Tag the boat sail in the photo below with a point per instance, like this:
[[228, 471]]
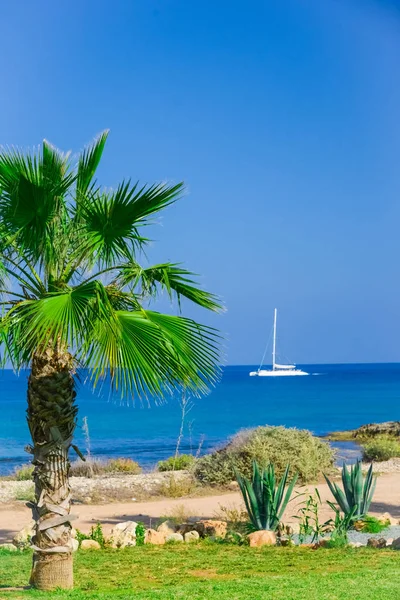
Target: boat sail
[[278, 370]]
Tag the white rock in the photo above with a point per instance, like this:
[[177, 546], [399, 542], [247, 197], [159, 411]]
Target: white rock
[[9, 547], [74, 545], [191, 536], [355, 544], [23, 538], [90, 545], [167, 528], [123, 534], [388, 517], [174, 537], [389, 541]]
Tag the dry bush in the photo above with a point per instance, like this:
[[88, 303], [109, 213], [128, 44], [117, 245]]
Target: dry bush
[[93, 467], [178, 514], [123, 465], [174, 487]]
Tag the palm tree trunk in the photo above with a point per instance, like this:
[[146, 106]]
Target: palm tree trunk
[[51, 418]]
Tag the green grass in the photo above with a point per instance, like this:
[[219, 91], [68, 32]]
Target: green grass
[[223, 572]]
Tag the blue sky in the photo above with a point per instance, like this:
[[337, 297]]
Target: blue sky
[[283, 119]]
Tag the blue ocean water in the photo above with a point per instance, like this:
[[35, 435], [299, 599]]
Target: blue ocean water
[[335, 397]]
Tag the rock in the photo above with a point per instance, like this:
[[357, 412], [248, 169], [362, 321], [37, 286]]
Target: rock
[[90, 545], [358, 525], [376, 543], [174, 537], [167, 528], [74, 545], [389, 542], [123, 534], [387, 517], [355, 544], [154, 537], [206, 528], [23, 538], [191, 536], [262, 538], [9, 547], [396, 544]]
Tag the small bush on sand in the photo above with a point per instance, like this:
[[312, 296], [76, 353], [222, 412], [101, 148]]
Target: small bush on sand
[[306, 454], [92, 468], [24, 473], [123, 465], [181, 462], [379, 449], [175, 487]]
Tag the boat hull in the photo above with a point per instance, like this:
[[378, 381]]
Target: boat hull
[[278, 373]]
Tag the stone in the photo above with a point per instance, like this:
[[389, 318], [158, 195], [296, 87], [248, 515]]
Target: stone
[[396, 544], [174, 537], [387, 517], [261, 538], [90, 545], [206, 528], [377, 542], [154, 537], [23, 538], [123, 535], [9, 547], [389, 541], [167, 528], [191, 536], [74, 545], [355, 545]]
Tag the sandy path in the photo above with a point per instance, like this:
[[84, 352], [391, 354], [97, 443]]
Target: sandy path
[[14, 517]]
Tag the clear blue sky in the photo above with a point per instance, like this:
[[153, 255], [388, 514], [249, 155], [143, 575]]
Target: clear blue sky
[[283, 118]]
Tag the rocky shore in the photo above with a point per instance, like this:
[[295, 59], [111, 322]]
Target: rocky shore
[[104, 488]]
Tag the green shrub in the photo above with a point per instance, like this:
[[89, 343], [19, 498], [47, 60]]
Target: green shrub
[[96, 534], [306, 454], [181, 462], [24, 473], [140, 534], [371, 525], [382, 448]]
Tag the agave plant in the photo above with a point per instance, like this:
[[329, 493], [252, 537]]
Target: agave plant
[[265, 497], [355, 498]]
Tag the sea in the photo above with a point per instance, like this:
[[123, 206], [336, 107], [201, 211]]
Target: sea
[[333, 397]]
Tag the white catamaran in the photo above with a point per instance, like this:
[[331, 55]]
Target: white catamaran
[[277, 370]]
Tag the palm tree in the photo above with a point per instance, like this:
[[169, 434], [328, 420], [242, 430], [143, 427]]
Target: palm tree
[[74, 295]]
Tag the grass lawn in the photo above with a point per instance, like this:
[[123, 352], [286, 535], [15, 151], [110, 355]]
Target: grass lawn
[[209, 570]]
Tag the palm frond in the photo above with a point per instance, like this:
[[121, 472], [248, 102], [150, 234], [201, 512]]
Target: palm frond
[[170, 277], [88, 162]]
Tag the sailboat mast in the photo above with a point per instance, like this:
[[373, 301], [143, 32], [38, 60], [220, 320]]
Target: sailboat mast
[[274, 343]]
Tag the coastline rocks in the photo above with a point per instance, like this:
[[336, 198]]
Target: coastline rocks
[[23, 538], [154, 537], [123, 535], [174, 537], [261, 538], [90, 545], [191, 536]]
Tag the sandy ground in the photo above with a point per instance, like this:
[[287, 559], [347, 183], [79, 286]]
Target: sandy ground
[[14, 517]]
